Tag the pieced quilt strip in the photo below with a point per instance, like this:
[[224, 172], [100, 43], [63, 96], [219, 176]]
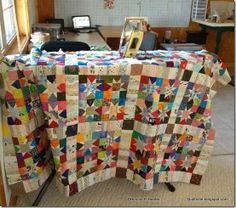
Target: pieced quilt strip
[[26, 147]]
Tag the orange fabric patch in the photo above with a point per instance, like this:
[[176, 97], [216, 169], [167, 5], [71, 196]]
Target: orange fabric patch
[[43, 97], [108, 94], [20, 102], [80, 138], [54, 143]]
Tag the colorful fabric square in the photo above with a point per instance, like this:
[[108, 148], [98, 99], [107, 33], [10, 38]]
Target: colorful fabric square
[[148, 121]]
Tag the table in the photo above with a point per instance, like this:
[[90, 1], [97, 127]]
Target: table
[[92, 38], [110, 31], [181, 46], [218, 27], [111, 34], [105, 116]]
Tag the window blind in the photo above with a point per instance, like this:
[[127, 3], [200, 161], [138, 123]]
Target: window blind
[[199, 8]]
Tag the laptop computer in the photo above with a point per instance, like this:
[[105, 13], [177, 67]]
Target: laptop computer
[[82, 23]]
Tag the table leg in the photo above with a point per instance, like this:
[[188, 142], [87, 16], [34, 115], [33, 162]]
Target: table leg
[[170, 187], [43, 189], [218, 40]]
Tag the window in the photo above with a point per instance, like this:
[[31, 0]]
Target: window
[[8, 24], [199, 9], [0, 38], [9, 19]]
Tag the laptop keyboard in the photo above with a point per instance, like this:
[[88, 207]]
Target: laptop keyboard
[[85, 30]]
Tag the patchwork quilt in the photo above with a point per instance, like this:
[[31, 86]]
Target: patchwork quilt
[[99, 116]]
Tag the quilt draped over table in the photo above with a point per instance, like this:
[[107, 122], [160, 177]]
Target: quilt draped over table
[[104, 116]]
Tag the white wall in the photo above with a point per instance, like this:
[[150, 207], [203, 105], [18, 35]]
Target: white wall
[[161, 13], [32, 12]]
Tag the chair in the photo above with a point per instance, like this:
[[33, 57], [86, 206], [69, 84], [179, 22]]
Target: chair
[[149, 41], [65, 46]]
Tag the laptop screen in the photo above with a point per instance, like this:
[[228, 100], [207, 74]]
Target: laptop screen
[[80, 22]]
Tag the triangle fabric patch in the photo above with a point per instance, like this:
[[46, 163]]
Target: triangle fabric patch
[[9, 96], [62, 87], [41, 88], [99, 162], [90, 102], [117, 78], [91, 96], [51, 78], [22, 82], [17, 121], [27, 155], [81, 111], [125, 85], [16, 84], [106, 86], [153, 79], [99, 110], [96, 142], [53, 124], [91, 78], [11, 103], [63, 114]]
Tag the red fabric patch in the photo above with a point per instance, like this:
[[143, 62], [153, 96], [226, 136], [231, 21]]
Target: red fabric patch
[[62, 87], [91, 78], [183, 64], [9, 96], [144, 79], [138, 117], [120, 116], [63, 158], [53, 124]]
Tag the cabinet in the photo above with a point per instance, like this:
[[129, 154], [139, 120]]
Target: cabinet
[[45, 9]]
